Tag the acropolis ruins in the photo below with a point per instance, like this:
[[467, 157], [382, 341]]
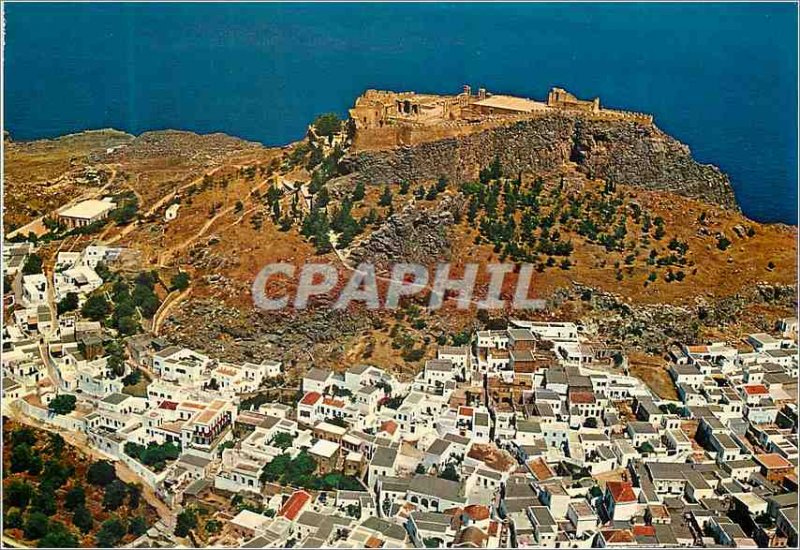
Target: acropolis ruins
[[385, 118]]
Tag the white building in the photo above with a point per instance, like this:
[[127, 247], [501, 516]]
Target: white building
[[86, 212]]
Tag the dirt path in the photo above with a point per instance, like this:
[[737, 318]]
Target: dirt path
[[158, 204], [79, 440], [167, 255], [171, 301]]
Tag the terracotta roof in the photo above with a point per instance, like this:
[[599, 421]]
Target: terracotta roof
[[465, 411], [581, 397], [493, 457], [390, 426], [621, 491], [618, 536], [644, 531], [541, 469], [755, 389], [311, 398], [773, 461], [373, 542], [169, 405], [477, 512], [333, 403], [294, 505], [470, 537]]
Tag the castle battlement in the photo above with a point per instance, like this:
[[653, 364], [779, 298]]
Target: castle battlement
[[385, 118]]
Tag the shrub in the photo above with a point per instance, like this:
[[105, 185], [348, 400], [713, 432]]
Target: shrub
[[110, 533], [327, 124], [58, 536], [68, 303], [33, 265], [187, 520], [82, 519], [18, 494], [62, 404], [96, 308], [180, 281], [137, 526], [75, 498], [36, 526], [101, 473], [13, 519], [114, 495]]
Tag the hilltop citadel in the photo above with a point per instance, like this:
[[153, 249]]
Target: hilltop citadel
[[385, 118]]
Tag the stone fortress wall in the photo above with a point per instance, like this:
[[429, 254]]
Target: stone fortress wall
[[527, 136], [385, 119]]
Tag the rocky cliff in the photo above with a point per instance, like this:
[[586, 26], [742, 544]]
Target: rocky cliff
[[627, 151]]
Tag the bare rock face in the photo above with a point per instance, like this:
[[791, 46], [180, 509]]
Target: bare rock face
[[627, 151], [642, 155], [414, 235]]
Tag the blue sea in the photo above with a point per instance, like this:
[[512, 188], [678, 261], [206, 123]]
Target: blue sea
[[720, 77]]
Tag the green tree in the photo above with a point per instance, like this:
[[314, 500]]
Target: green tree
[[68, 303], [127, 325], [58, 536], [125, 213], [33, 264], [23, 435], [133, 378], [56, 474], [187, 520], [359, 192], [36, 525], [96, 307], [450, 472], [102, 270], [327, 124], [18, 493], [137, 526], [110, 533], [13, 519], [213, 526], [23, 459], [82, 519], [75, 498], [282, 440], [62, 404], [386, 197], [56, 445], [101, 473], [180, 281], [134, 495], [44, 500], [114, 495]]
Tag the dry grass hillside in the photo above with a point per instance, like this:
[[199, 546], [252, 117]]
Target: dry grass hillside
[[241, 207]]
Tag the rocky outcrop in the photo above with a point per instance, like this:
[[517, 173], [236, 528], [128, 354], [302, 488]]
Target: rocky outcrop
[[646, 157], [627, 151], [414, 235]]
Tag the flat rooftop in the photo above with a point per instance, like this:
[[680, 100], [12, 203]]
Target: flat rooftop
[[87, 209]]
